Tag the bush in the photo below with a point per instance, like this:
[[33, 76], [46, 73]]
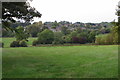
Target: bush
[[57, 42], [18, 44], [15, 44], [105, 39], [1, 44], [58, 38], [46, 37], [67, 39], [23, 43], [35, 42], [75, 39]]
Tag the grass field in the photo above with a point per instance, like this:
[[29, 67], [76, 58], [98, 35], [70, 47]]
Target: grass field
[[60, 62]]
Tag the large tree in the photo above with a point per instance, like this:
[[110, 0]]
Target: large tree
[[13, 11], [46, 37], [34, 29]]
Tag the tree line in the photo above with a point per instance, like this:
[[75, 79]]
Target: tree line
[[65, 32]]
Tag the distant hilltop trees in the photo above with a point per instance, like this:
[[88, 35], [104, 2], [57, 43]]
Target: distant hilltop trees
[[62, 26], [56, 26]]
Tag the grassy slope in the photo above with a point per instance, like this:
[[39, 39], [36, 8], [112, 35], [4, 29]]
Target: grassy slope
[[61, 62]]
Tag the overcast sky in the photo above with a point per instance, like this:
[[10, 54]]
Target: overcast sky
[[76, 10]]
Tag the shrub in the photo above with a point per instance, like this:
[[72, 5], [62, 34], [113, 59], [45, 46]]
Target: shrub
[[23, 43], [57, 42], [1, 44], [34, 29], [98, 39], [109, 39], [18, 44], [75, 39], [67, 39], [58, 38], [82, 40], [35, 42], [15, 44], [105, 39], [46, 37]]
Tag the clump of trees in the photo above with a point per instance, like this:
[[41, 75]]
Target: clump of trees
[[80, 37], [34, 29], [44, 37], [21, 34], [109, 39], [58, 38], [74, 37], [21, 38], [104, 39]]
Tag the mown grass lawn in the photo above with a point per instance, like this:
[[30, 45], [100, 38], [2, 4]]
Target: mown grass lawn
[[60, 62]]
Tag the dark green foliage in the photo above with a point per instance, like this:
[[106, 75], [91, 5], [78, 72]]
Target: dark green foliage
[[66, 39], [91, 36], [53, 27], [23, 43], [111, 38], [58, 38], [44, 27], [22, 34], [16, 24], [1, 44], [22, 11], [19, 10], [6, 33], [15, 44], [35, 42], [77, 37], [55, 24], [104, 39], [73, 37], [34, 29], [46, 37], [64, 30], [116, 33], [107, 30]]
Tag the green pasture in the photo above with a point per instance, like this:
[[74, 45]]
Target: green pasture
[[60, 61]]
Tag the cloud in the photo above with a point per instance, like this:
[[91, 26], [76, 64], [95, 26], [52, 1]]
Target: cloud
[[76, 10]]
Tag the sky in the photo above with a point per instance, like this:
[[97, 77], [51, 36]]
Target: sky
[[93, 11]]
